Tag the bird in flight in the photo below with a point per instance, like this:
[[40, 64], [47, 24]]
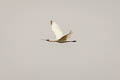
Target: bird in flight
[[60, 37]]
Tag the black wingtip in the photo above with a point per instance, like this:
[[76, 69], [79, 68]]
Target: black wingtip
[[74, 41]]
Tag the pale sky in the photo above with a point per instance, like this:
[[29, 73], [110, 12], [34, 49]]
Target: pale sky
[[95, 25]]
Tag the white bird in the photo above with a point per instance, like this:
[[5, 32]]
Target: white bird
[[60, 38]]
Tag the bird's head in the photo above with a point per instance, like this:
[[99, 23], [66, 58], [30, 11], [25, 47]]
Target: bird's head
[[51, 22]]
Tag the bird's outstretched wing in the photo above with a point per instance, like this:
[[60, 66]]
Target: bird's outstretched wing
[[67, 36], [56, 29]]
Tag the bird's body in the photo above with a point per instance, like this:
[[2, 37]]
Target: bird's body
[[60, 38]]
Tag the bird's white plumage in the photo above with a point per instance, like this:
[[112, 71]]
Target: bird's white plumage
[[57, 31]]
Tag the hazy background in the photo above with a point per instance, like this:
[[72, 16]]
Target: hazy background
[[96, 27]]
